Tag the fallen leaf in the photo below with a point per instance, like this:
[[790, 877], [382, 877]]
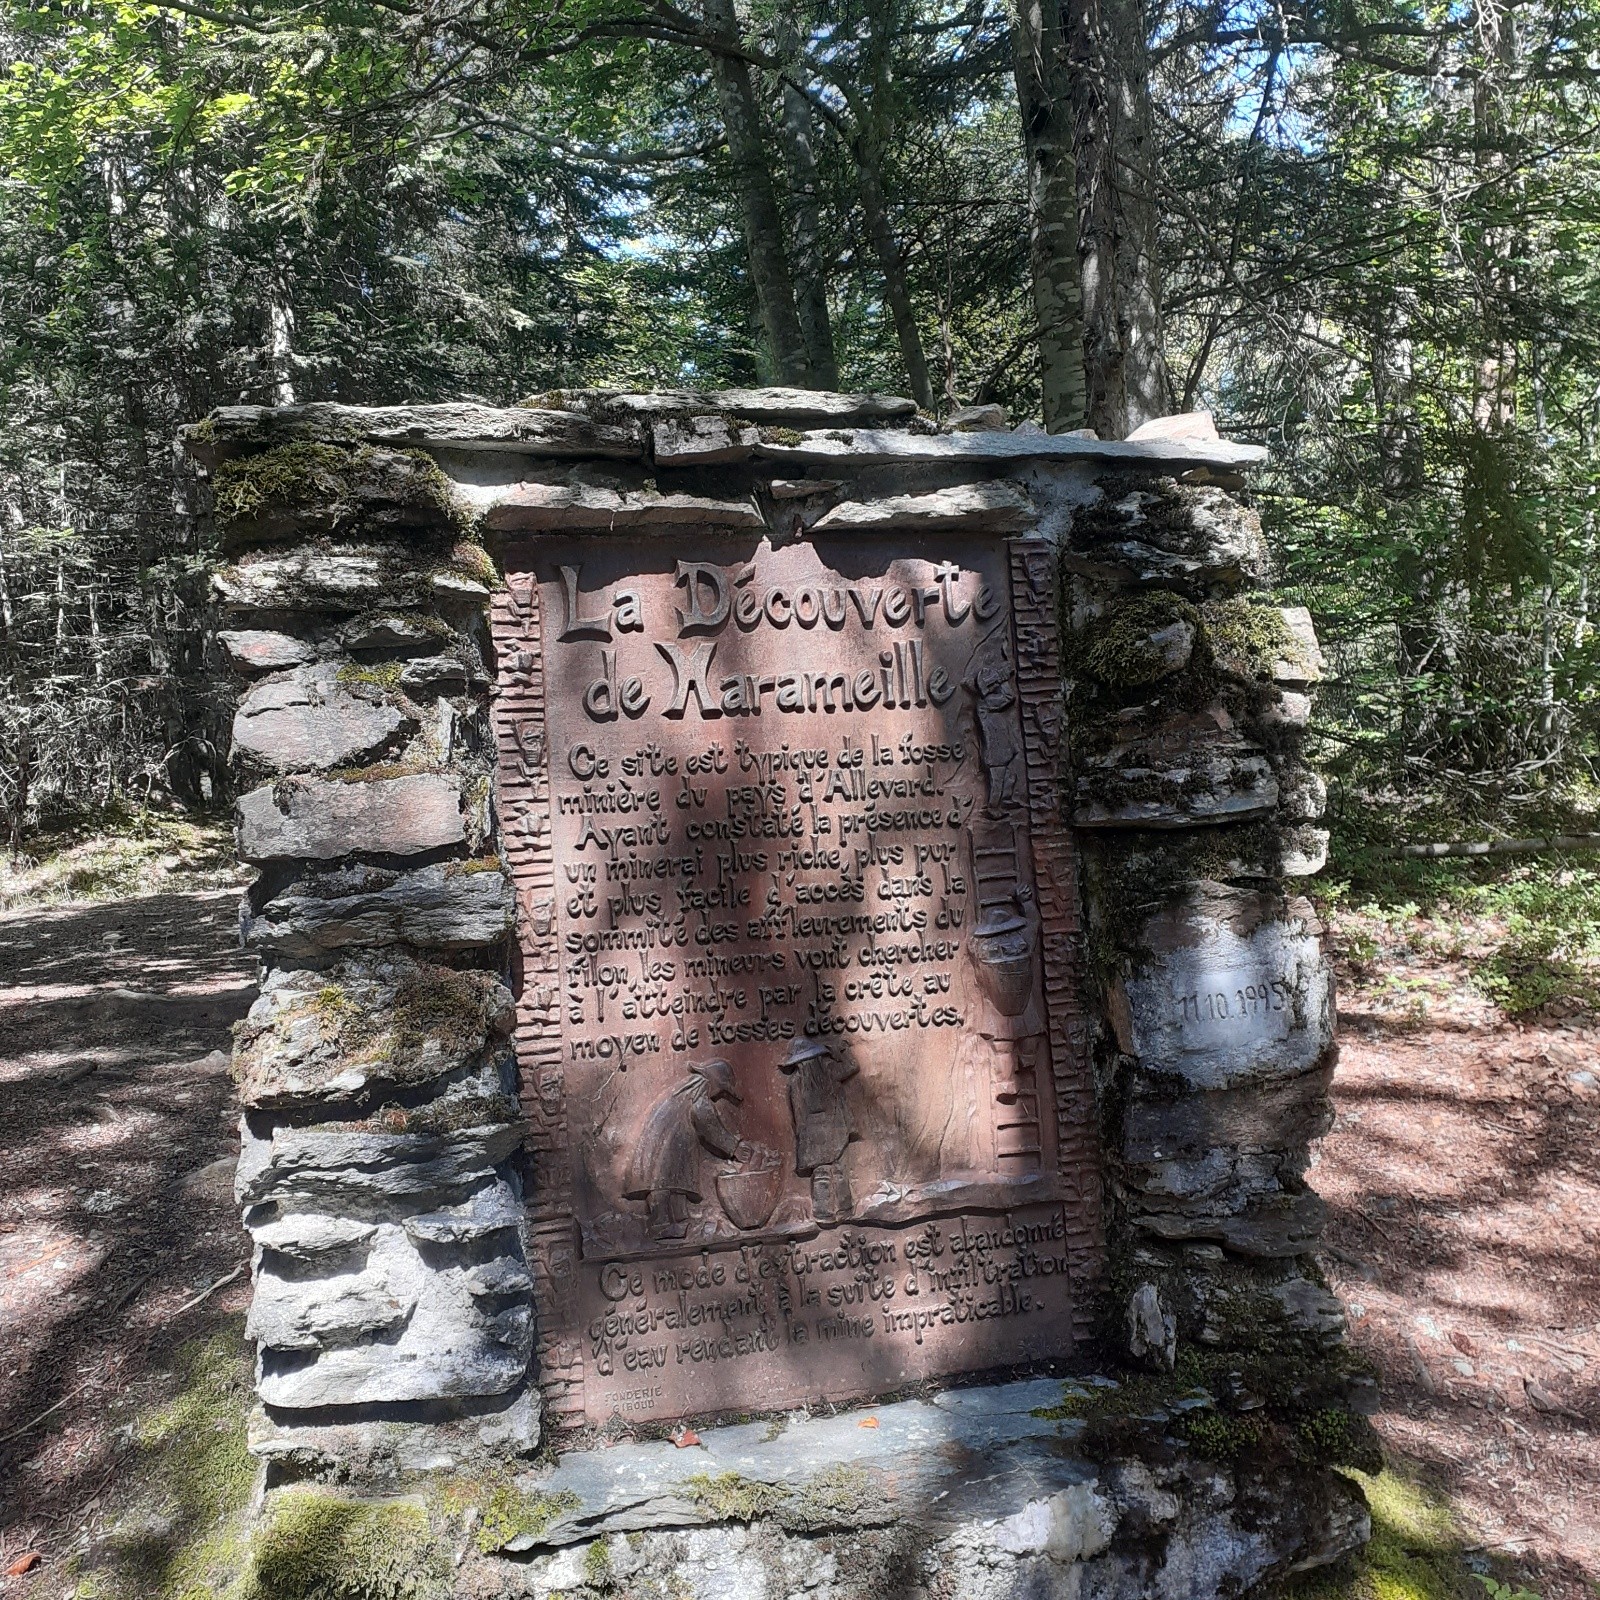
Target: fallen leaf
[[868, 1422], [26, 1562], [686, 1438], [1462, 1343]]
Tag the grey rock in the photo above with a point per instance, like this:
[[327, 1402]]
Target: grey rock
[[541, 507], [262, 650], [395, 634], [447, 906], [988, 1518], [213, 1182], [1304, 795], [701, 441], [1310, 1308], [771, 405], [497, 1279], [487, 1212], [1280, 1226], [1304, 664], [375, 1022], [312, 1236], [316, 1313], [1209, 784], [1191, 425], [1152, 1328], [991, 507], [435, 675], [1287, 710], [1305, 851], [1170, 533], [384, 1374], [320, 820], [458, 426], [870, 447], [303, 580], [1260, 1117], [359, 1173], [306, 720], [1234, 990], [975, 419], [456, 588]]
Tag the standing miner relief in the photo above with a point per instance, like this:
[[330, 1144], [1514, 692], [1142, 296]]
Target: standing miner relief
[[796, 933]]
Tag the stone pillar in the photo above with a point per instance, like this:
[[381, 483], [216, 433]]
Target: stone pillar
[[380, 1176], [396, 1164], [1188, 699]]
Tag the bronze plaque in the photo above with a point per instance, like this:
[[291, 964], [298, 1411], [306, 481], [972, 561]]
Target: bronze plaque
[[800, 1025]]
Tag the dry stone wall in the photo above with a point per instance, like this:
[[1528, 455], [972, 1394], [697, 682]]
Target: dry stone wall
[[386, 1173]]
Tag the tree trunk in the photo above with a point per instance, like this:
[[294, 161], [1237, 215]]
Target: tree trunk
[[869, 174], [758, 204], [1038, 60], [1125, 370], [811, 286]]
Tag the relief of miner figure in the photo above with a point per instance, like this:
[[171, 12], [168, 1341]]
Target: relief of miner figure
[[822, 1124], [998, 736], [665, 1169], [994, 1125]]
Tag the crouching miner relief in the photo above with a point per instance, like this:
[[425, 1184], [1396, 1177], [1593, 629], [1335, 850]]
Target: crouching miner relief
[[797, 950]]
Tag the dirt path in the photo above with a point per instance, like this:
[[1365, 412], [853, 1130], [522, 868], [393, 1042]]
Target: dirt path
[[116, 1209], [1463, 1179]]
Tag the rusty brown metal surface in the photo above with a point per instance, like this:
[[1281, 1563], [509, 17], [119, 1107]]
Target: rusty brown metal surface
[[800, 1027]]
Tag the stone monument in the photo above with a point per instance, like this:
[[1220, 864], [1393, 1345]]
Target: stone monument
[[772, 911]]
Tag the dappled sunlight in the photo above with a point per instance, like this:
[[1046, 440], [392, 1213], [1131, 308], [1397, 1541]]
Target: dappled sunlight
[[1464, 1208]]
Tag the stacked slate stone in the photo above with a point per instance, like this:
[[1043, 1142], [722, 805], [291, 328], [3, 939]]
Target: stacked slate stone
[[1188, 701], [378, 1175], [382, 1169]]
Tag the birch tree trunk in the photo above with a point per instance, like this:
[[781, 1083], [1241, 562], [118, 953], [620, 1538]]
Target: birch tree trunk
[[758, 204], [1039, 65]]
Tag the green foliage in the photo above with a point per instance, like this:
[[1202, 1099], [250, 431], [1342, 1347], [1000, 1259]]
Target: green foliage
[[1539, 917]]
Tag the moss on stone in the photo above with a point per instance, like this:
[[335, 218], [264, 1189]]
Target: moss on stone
[[1216, 1436], [317, 1545], [789, 438], [290, 477], [730, 1497], [464, 869], [843, 1495], [1248, 639], [384, 676], [342, 486], [382, 771], [597, 1565], [447, 1116], [1118, 647], [509, 1514], [469, 557]]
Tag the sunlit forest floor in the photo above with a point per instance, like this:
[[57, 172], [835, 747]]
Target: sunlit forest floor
[[1462, 1179]]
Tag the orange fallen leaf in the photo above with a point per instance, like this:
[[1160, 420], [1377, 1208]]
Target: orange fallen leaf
[[24, 1563], [868, 1422], [686, 1438]]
